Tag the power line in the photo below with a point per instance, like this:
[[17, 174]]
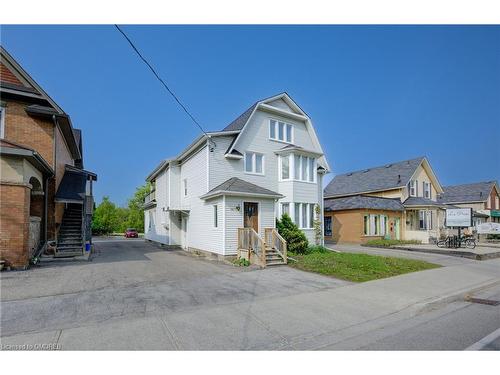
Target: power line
[[161, 80]]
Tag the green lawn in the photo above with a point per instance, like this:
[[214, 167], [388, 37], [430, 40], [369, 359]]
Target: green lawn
[[356, 267]]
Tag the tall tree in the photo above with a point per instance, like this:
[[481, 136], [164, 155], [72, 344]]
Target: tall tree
[[136, 208]]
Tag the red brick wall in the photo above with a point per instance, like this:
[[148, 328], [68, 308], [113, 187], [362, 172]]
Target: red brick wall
[[14, 225], [7, 76], [29, 131]]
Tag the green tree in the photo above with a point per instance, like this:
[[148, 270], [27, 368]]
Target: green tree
[[135, 217], [105, 217], [295, 238]]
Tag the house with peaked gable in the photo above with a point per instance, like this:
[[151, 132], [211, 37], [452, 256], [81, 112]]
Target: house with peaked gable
[[482, 197], [397, 200], [224, 192], [45, 192]]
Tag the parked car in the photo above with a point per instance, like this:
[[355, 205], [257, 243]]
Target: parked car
[[131, 233]]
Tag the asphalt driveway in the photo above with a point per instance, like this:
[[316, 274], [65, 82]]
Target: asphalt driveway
[[134, 278]]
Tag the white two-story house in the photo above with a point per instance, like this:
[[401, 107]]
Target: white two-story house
[[266, 162]]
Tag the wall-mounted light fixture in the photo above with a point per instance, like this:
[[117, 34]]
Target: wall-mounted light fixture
[[238, 207]]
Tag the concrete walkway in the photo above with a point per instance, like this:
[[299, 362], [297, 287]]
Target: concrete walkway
[[183, 316], [441, 259]]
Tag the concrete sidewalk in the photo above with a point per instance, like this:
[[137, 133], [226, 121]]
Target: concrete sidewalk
[[309, 320]]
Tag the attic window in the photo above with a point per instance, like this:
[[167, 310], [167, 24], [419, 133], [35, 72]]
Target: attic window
[[280, 131]]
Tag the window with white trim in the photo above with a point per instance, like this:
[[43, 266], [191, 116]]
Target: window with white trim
[[216, 217], [412, 190], [427, 189], [424, 220], [304, 215], [280, 131], [285, 209], [2, 122], [285, 167], [254, 163], [375, 225]]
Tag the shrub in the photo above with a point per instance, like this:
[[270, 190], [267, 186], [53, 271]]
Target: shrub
[[296, 239], [317, 249], [242, 262]]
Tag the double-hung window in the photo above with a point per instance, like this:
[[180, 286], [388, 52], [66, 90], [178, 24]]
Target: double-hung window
[[412, 188], [254, 163], [304, 168], [424, 220], [285, 209], [280, 131], [216, 216], [304, 215], [285, 167], [375, 225], [427, 189]]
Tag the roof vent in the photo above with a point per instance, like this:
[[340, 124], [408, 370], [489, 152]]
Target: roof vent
[[388, 165]]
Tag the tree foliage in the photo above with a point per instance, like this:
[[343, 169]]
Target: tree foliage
[[109, 218], [295, 238]]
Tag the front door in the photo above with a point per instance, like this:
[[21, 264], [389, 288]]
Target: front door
[[396, 229], [251, 215]]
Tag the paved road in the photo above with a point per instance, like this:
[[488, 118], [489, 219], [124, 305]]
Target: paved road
[[135, 295]]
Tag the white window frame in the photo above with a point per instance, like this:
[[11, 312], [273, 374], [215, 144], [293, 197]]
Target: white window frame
[[290, 171], [411, 187], [216, 216], [298, 208], [274, 123], [2, 122], [427, 190], [303, 160], [282, 211], [253, 154]]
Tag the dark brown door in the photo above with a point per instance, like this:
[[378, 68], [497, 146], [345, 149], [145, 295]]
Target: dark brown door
[[251, 215]]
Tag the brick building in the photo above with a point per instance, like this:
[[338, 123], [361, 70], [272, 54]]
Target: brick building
[[45, 194]]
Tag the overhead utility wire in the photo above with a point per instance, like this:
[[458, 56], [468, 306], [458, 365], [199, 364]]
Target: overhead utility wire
[[161, 80]]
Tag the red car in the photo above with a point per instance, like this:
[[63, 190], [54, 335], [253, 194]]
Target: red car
[[131, 233]]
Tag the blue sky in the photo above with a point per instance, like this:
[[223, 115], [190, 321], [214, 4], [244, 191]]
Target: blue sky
[[376, 94]]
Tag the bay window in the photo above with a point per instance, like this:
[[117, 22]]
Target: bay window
[[303, 215], [298, 168], [254, 163], [280, 131]]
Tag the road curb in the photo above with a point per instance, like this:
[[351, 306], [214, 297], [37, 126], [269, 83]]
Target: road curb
[[485, 341], [455, 296]]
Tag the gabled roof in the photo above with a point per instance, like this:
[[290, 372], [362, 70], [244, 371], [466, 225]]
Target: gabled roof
[[363, 202], [236, 186], [22, 85], [241, 121], [386, 177], [467, 193]]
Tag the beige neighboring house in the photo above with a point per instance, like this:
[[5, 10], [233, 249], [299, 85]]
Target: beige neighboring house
[[396, 200], [482, 197]]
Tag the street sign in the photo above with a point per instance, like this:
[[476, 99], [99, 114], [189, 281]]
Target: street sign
[[488, 228], [459, 217]]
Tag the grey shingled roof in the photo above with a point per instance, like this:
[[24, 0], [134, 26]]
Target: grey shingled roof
[[235, 185], [363, 202], [420, 201], [475, 192], [241, 120], [385, 177]]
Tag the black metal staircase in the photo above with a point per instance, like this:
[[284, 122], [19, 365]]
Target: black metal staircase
[[70, 240]]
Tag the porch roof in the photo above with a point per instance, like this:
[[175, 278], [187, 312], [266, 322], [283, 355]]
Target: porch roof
[[239, 187], [14, 149], [422, 202], [72, 187], [363, 202]]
